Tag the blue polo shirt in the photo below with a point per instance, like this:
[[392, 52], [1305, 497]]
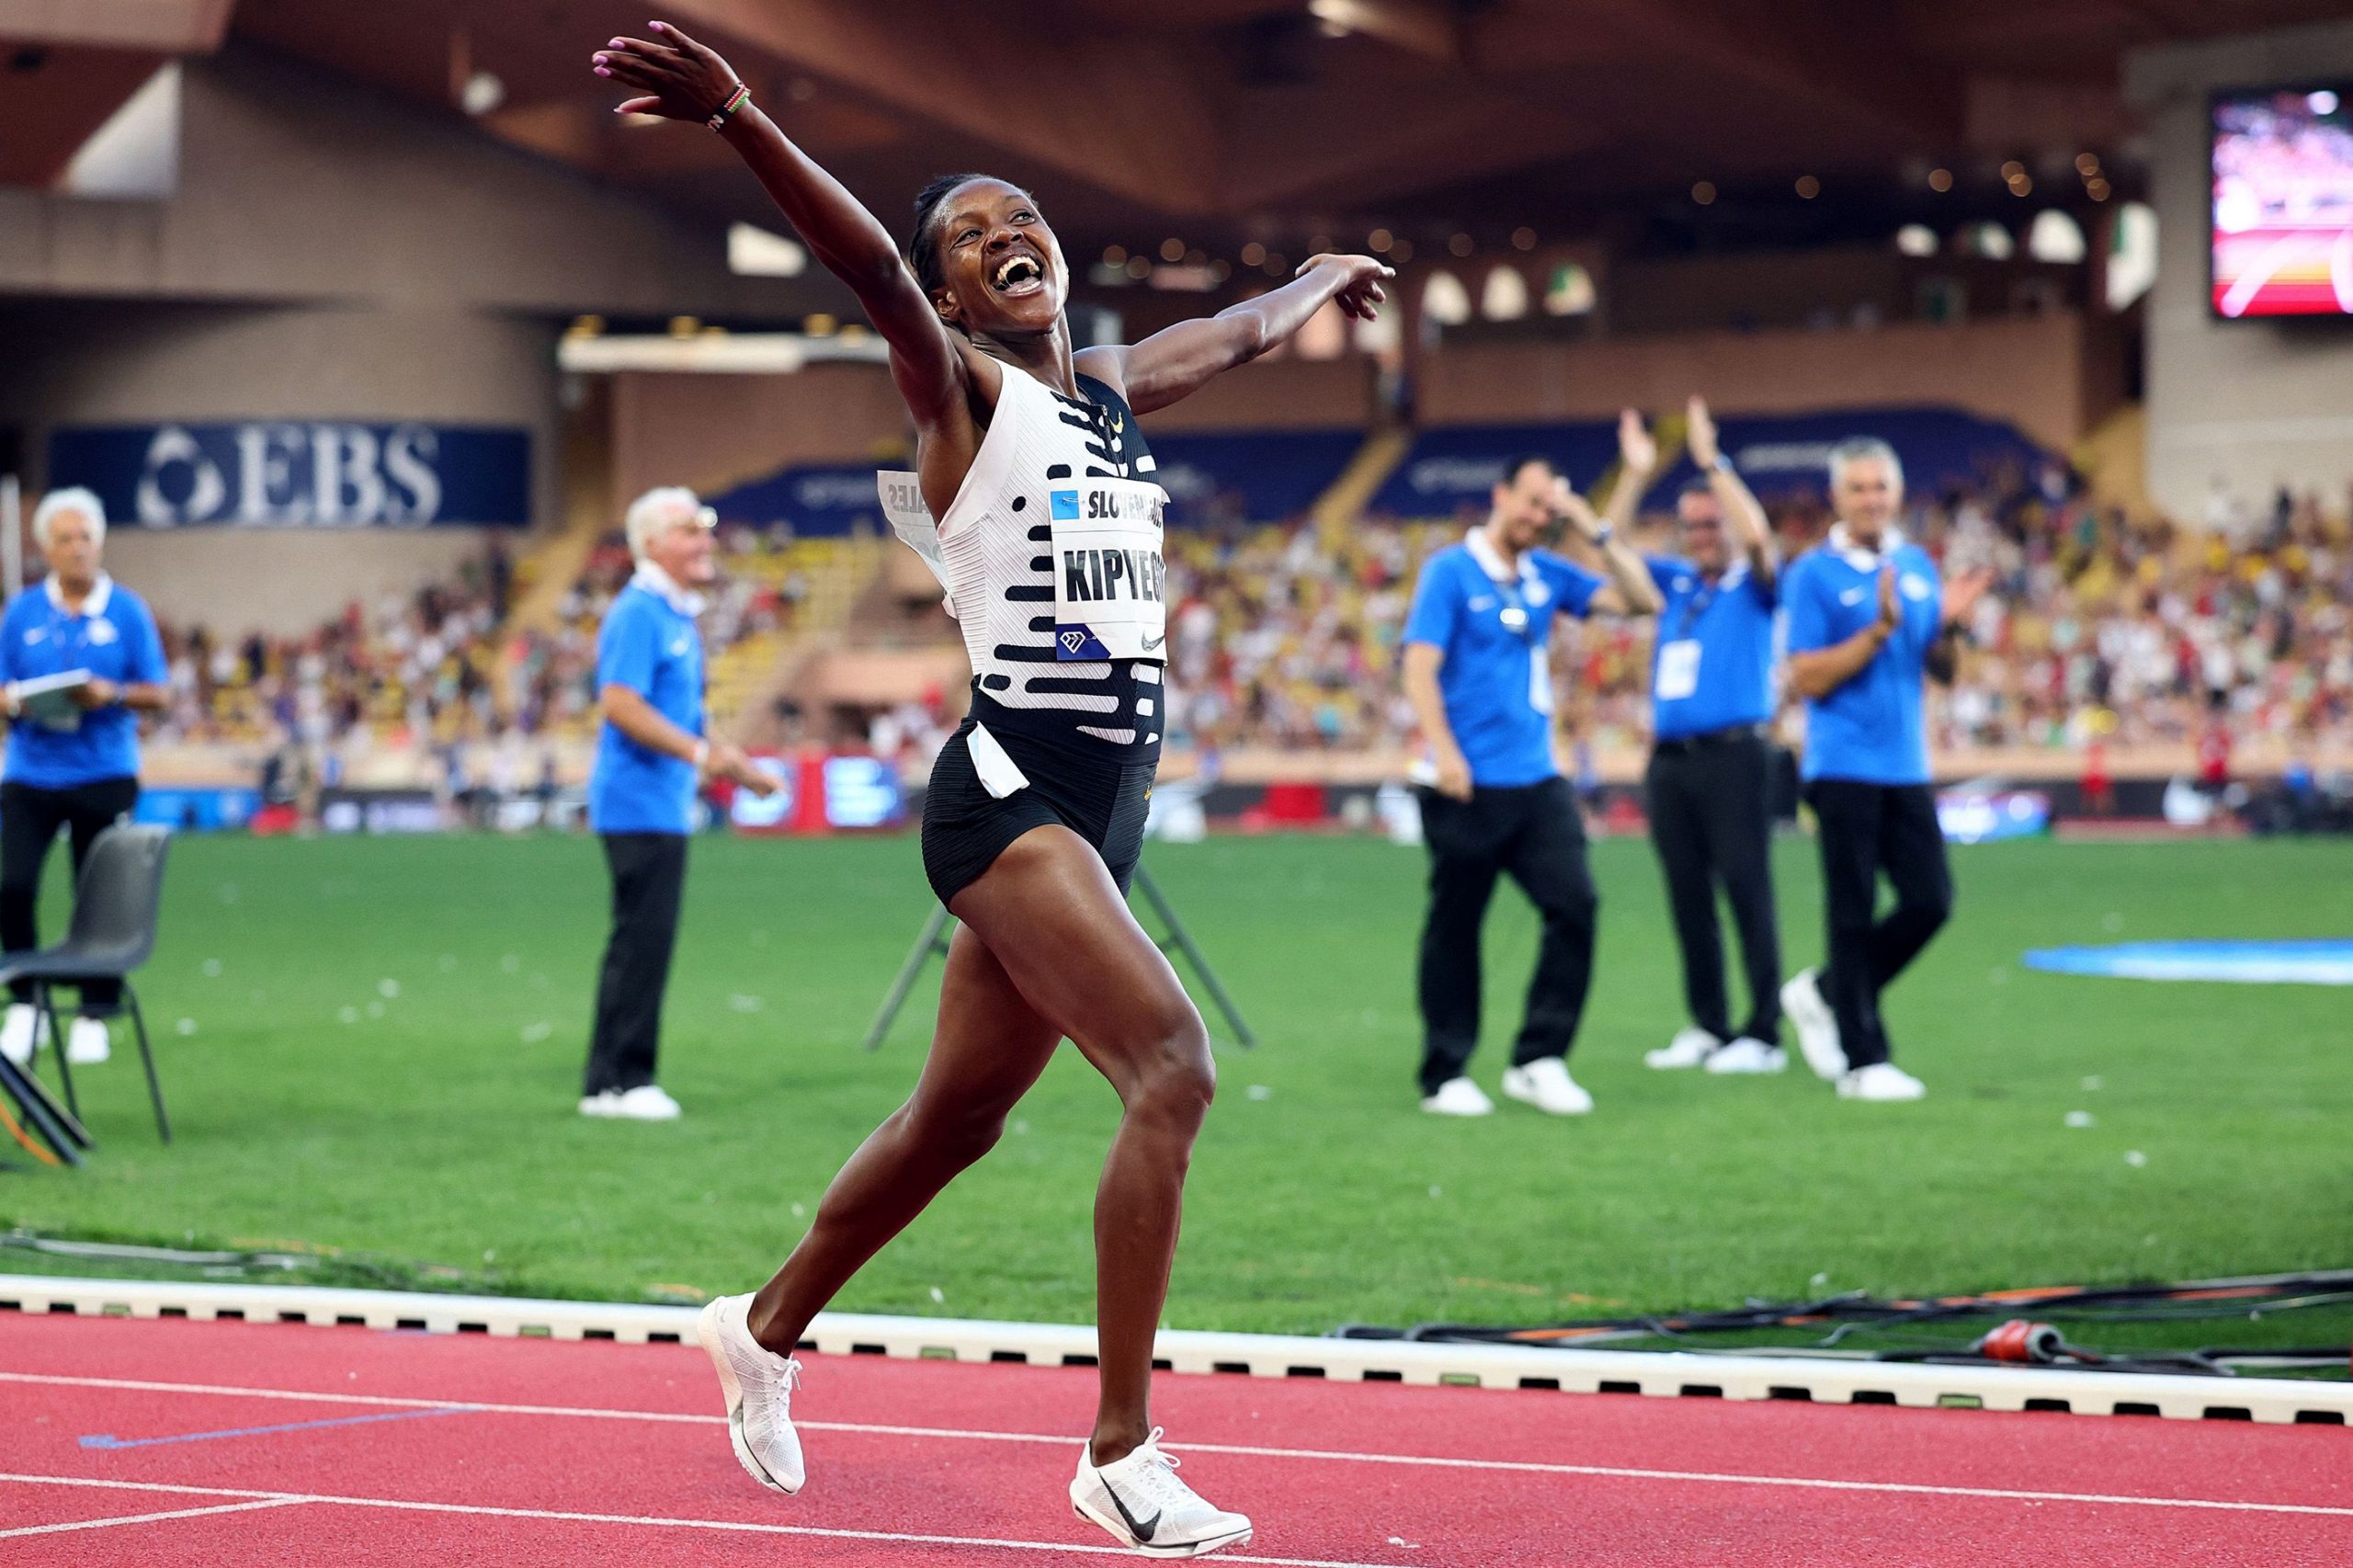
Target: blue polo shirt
[[1711, 662], [114, 637], [649, 643], [1872, 729], [1495, 626]]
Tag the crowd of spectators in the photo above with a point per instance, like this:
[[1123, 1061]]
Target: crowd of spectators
[[2099, 630], [441, 668]]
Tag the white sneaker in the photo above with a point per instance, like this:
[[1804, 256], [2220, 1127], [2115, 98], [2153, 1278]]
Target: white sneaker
[[647, 1102], [1817, 1025], [86, 1043], [1458, 1097], [1546, 1085], [758, 1384], [1140, 1500], [1690, 1048], [1748, 1054], [1881, 1081], [18, 1031]]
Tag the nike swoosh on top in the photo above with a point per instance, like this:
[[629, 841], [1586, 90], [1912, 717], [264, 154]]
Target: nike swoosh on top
[[1151, 642], [1142, 1529]]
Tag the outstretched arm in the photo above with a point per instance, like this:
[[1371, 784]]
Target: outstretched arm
[[678, 78], [1744, 514], [1172, 363]]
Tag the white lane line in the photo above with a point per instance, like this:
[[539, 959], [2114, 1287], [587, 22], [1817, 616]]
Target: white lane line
[[1520, 1467], [561, 1515], [150, 1518]]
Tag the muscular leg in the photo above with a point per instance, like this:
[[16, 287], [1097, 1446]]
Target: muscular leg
[[989, 1047], [1048, 949], [1053, 915]]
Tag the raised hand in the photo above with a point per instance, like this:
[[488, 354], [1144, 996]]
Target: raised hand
[[1962, 592], [1637, 448], [674, 76], [1891, 613], [1700, 432], [1360, 294]]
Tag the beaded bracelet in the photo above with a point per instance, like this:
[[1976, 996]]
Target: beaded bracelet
[[727, 111]]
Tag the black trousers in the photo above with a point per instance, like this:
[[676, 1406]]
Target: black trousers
[[1864, 830], [1534, 835], [1711, 804], [29, 819], [649, 879]]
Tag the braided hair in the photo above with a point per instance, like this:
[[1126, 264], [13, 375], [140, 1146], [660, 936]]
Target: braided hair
[[923, 244]]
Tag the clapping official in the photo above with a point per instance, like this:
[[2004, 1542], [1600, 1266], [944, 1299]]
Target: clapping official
[[1478, 672], [1868, 620], [651, 757], [1708, 789]]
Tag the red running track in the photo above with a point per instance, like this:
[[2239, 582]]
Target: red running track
[[128, 1441]]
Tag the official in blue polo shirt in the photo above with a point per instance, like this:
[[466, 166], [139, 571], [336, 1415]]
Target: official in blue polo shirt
[[1870, 621], [1478, 673], [651, 758], [1708, 789], [73, 744]]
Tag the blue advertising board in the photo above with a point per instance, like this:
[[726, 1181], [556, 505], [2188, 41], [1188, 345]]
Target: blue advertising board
[[298, 473]]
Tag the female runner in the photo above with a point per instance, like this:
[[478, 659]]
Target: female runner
[[1029, 457]]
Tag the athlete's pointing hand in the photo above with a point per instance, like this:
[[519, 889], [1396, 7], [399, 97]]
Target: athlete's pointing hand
[[1361, 294]]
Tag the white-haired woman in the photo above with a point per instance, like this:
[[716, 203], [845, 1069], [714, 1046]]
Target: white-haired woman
[[73, 747], [650, 756]]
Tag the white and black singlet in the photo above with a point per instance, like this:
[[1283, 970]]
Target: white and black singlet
[[1052, 555]]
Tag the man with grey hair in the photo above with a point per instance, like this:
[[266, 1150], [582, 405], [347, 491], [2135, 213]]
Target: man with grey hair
[[81, 658], [651, 758], [1868, 620]]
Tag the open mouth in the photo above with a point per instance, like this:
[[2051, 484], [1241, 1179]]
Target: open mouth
[[1018, 275]]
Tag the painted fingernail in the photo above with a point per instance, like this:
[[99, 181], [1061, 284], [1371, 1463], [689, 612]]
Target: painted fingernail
[[602, 71]]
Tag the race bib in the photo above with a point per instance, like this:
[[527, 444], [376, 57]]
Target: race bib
[[1678, 670], [1109, 578]]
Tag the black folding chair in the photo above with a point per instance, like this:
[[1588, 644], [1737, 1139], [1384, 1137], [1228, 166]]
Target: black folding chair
[[113, 931]]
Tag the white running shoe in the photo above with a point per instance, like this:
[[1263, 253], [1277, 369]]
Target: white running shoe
[[647, 1102], [1881, 1081], [1690, 1048], [1817, 1025], [758, 1384], [1546, 1085], [86, 1043], [1143, 1505], [1748, 1054], [1458, 1097], [18, 1032]]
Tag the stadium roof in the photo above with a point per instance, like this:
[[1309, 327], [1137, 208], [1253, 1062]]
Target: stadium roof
[[1226, 119]]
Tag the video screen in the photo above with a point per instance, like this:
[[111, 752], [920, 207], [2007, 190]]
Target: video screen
[[2283, 203]]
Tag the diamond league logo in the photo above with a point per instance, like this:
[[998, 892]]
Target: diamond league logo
[[1074, 640]]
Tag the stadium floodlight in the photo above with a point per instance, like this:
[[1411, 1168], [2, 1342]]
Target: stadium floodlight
[[1504, 297], [2056, 237], [753, 252], [1916, 239], [1444, 299]]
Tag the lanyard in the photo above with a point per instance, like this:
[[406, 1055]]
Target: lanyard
[[1697, 606]]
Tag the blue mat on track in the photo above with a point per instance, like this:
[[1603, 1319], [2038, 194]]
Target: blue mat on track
[[2328, 961]]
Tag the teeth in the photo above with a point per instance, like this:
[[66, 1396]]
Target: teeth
[[1017, 269]]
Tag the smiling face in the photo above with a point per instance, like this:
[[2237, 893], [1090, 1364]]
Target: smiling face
[[1001, 271], [1522, 505], [1703, 522], [1867, 492], [684, 550]]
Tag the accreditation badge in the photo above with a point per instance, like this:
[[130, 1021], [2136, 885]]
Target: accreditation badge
[[1110, 580], [1678, 670]]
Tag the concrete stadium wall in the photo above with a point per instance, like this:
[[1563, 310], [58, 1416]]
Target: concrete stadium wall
[[2033, 370], [712, 431], [2255, 404], [330, 253]]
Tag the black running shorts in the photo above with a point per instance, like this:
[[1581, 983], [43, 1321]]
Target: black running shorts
[[965, 828]]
